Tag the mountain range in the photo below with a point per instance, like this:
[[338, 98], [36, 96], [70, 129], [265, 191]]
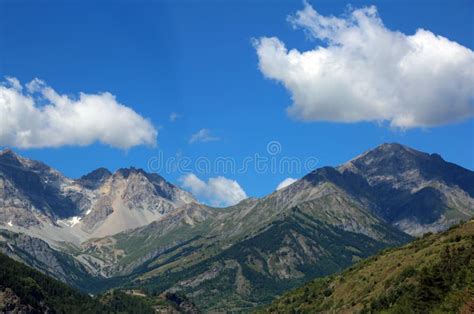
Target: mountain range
[[135, 230]]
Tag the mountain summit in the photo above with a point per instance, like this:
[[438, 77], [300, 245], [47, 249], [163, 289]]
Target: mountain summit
[[416, 191]]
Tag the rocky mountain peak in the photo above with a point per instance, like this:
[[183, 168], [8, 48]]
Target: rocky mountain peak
[[155, 182], [7, 151], [97, 174], [392, 147], [388, 152], [126, 172], [95, 178], [413, 189], [8, 156], [391, 159], [397, 163]]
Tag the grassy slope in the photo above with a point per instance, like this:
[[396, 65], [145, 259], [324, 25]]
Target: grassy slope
[[432, 274]]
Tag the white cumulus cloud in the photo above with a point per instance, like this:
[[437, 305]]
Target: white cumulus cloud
[[217, 191], [364, 71], [285, 183], [38, 116], [203, 135]]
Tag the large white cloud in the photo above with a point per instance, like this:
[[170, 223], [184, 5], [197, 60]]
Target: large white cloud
[[37, 116], [217, 191], [366, 72]]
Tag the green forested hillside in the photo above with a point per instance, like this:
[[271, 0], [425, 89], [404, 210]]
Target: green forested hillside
[[23, 289], [434, 274]]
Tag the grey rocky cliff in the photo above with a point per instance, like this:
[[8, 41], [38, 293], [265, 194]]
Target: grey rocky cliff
[[40, 201]]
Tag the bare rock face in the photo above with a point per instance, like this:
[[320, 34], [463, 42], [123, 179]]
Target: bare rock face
[[29, 188], [95, 179], [99, 211], [131, 198], [40, 201]]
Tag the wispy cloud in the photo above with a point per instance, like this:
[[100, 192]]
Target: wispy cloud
[[174, 116], [203, 135], [41, 117]]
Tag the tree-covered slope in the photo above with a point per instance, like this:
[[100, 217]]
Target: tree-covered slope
[[434, 274], [26, 290]]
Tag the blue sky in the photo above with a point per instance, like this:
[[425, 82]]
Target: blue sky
[[197, 59]]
